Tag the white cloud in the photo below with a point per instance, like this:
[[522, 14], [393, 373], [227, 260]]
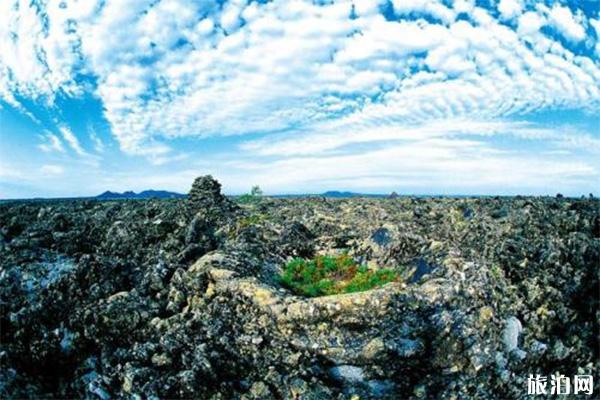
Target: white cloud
[[174, 68], [444, 156], [429, 7], [98, 144], [72, 140], [423, 166], [50, 169], [563, 19], [39, 48], [52, 143], [595, 23], [510, 8], [322, 83], [530, 23], [8, 172], [327, 140]]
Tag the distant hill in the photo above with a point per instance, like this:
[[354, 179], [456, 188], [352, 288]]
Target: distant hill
[[344, 195], [146, 194], [332, 194], [163, 194], [338, 194]]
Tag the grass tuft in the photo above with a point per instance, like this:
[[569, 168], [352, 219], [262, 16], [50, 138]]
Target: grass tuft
[[326, 275]]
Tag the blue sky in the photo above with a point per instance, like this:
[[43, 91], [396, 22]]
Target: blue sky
[[413, 96]]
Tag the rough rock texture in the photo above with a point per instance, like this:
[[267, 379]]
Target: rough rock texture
[[179, 298]]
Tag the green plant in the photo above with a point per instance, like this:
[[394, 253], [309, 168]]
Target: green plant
[[326, 275], [254, 196], [256, 191], [496, 271]]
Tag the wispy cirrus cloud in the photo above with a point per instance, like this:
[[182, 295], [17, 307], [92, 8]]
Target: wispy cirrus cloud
[[51, 143], [434, 165], [522, 131], [98, 143], [72, 140]]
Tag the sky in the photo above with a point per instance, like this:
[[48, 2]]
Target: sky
[[413, 96]]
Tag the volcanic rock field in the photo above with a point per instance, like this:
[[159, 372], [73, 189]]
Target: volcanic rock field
[[180, 298]]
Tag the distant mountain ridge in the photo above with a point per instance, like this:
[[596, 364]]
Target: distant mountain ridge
[[331, 194], [345, 195], [146, 194], [163, 194]]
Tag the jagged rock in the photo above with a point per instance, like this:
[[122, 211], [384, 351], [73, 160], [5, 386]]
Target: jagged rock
[[297, 241], [347, 373], [510, 334], [381, 237], [205, 196]]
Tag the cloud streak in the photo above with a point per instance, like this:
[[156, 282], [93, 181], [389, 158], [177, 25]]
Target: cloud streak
[[72, 140], [427, 166], [327, 138], [52, 143]]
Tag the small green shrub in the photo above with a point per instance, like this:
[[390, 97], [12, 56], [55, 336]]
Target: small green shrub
[[254, 196], [325, 275], [496, 271]]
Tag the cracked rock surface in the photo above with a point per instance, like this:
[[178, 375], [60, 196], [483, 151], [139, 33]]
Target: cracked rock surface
[[154, 299]]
